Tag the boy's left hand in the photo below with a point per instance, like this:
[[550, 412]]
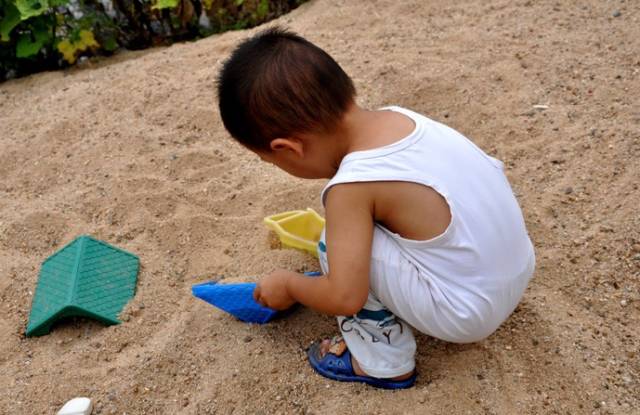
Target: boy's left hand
[[271, 291]]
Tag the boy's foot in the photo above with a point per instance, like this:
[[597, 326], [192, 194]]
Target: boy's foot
[[325, 347], [332, 359]]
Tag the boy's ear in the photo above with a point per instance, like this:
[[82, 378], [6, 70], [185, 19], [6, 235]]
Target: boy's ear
[[288, 144]]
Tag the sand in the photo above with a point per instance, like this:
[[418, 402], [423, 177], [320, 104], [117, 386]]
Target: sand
[[131, 150]]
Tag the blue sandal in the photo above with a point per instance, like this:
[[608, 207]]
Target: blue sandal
[[336, 365]]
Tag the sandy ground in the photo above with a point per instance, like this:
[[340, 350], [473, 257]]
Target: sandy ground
[[131, 150]]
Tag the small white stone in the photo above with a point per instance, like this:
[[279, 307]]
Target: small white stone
[[77, 406]]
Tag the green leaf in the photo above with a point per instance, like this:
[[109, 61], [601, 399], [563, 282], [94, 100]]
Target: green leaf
[[110, 44], [10, 20], [239, 2], [31, 8], [30, 43], [69, 48], [241, 24], [165, 4], [263, 8], [26, 46]]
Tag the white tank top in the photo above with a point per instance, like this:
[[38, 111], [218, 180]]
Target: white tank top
[[482, 262]]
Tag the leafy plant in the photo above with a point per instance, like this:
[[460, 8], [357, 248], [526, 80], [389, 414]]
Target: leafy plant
[[49, 34], [70, 48], [263, 9], [31, 8], [165, 4], [31, 40], [10, 19]]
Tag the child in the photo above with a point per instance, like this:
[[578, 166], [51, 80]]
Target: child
[[422, 230]]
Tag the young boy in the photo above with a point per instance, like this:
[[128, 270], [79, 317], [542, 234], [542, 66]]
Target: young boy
[[422, 230]]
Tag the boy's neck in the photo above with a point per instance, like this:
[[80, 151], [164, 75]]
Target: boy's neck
[[362, 129]]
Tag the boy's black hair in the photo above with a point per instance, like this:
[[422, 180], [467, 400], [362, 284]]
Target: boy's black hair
[[277, 84]]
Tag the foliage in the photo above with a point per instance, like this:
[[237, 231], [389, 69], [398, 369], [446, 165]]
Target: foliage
[[30, 42], [165, 4], [70, 48], [48, 34]]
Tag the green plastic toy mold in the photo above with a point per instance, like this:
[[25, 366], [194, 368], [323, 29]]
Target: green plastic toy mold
[[86, 278]]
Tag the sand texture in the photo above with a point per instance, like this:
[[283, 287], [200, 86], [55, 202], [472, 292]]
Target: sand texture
[[131, 150]]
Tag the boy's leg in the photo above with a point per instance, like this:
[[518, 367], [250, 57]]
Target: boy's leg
[[382, 344]]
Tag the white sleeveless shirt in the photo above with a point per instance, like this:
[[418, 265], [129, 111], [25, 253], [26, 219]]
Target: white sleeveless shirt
[[481, 264]]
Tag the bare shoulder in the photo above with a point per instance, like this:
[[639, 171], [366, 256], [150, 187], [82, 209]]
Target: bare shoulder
[[355, 195], [412, 210]]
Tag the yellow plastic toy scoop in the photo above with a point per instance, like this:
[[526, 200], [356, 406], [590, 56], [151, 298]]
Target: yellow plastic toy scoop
[[297, 229]]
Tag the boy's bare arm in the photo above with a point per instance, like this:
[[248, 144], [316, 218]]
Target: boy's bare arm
[[349, 234], [408, 209]]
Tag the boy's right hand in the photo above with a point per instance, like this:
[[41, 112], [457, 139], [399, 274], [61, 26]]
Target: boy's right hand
[[272, 292]]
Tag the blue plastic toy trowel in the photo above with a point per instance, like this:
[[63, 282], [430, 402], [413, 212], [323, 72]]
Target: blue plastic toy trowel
[[237, 300]]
